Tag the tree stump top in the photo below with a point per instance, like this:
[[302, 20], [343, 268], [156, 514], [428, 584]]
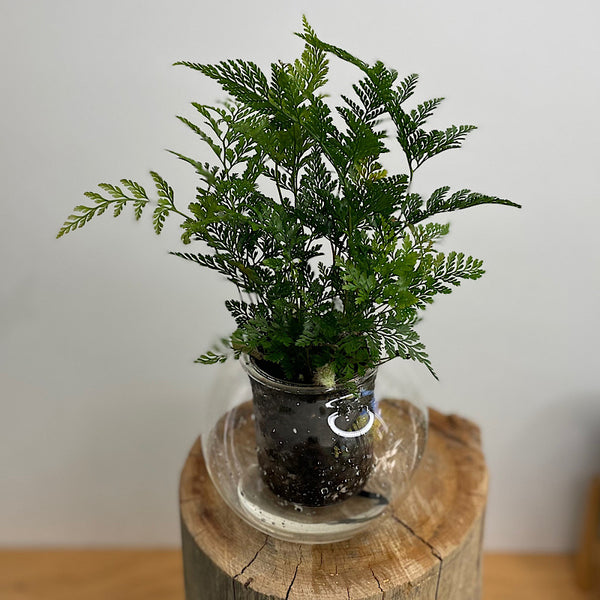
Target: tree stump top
[[427, 545]]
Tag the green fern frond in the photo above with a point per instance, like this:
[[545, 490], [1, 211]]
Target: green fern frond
[[211, 358], [406, 88], [334, 267], [244, 80], [118, 199]]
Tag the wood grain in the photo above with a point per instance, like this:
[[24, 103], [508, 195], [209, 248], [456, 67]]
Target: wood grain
[[531, 577], [428, 546], [157, 575], [90, 575]]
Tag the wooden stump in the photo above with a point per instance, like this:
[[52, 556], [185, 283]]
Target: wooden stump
[[427, 547]]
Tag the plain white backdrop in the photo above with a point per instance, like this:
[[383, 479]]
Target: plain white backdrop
[[100, 399]]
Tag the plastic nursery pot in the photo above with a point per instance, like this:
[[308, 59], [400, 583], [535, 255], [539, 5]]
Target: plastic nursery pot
[[306, 463], [314, 444]]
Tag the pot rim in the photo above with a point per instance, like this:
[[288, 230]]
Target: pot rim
[[255, 372]]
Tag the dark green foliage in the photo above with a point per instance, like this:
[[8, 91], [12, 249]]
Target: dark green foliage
[[333, 269]]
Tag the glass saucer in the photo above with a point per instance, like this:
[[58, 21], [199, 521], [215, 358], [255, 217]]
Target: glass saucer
[[230, 453]]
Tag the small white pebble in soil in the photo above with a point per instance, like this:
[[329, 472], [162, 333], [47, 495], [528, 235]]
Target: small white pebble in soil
[[295, 430]]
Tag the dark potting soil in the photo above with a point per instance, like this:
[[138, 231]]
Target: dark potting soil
[[302, 460]]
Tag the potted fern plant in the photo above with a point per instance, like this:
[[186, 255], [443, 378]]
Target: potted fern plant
[[332, 253]]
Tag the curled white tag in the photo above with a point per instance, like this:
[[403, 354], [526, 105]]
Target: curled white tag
[[350, 434]]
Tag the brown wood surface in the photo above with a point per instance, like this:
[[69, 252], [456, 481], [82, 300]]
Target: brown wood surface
[[427, 547], [588, 558], [157, 575]]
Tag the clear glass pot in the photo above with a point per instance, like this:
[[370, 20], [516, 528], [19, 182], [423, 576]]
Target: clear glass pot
[[308, 463], [314, 444]]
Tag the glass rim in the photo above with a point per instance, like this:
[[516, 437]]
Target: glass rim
[[255, 372]]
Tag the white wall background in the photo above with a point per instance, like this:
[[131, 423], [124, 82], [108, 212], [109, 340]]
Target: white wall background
[[100, 400]]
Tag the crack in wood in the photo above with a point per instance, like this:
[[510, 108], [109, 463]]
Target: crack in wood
[[434, 551], [429, 545], [255, 557], [377, 580], [437, 585], [293, 579]]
